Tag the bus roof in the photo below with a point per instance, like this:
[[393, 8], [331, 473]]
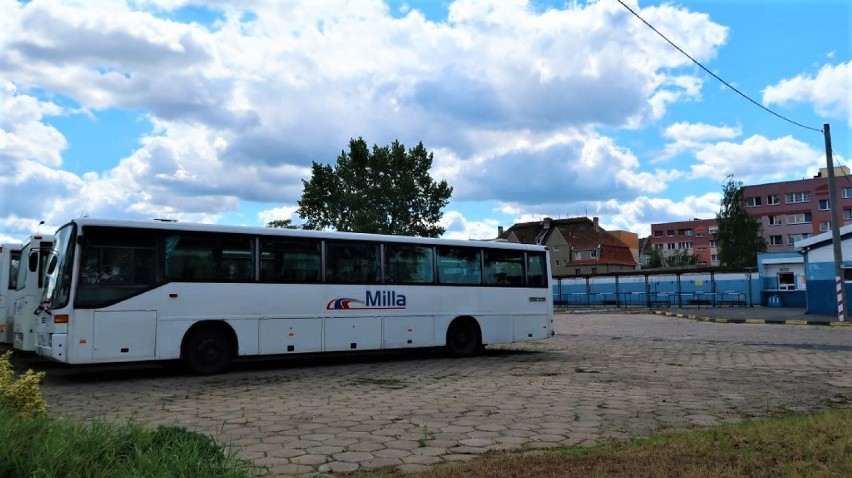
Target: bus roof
[[268, 231]]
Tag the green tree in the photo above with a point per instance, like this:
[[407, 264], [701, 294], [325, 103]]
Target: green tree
[[681, 258], [282, 224], [740, 237], [384, 191], [655, 259]]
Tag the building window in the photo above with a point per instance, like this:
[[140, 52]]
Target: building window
[[786, 281], [556, 247], [753, 201], [774, 220], [714, 257], [776, 241], [713, 243], [684, 245], [577, 271], [793, 198], [713, 230], [824, 226], [594, 254], [658, 233], [688, 232], [670, 232], [847, 214], [801, 218], [557, 262], [773, 199], [594, 270], [824, 205], [847, 193], [792, 238], [699, 234], [671, 246]]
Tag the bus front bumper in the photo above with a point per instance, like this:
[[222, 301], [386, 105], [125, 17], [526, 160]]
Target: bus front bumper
[[51, 346]]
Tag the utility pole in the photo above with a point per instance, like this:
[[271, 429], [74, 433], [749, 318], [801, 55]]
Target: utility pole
[[834, 204]]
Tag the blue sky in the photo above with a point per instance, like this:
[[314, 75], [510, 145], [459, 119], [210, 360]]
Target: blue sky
[[212, 111]]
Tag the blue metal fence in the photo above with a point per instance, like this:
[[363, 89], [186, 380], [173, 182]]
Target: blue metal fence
[[669, 289]]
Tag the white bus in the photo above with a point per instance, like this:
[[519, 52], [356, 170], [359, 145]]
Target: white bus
[[29, 289], [120, 291], [10, 255]]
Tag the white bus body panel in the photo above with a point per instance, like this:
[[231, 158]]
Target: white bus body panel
[[128, 334], [292, 318]]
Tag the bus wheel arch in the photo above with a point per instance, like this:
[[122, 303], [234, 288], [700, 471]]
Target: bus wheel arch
[[208, 347], [464, 337]]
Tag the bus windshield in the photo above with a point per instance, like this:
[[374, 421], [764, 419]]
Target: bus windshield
[[58, 288]]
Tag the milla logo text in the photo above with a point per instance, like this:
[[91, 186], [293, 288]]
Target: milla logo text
[[380, 299]]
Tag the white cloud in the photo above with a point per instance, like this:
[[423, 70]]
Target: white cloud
[[829, 92], [756, 159], [23, 135], [458, 227], [279, 213], [700, 132], [507, 96]]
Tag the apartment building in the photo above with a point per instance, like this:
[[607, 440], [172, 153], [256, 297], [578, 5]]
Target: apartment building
[[696, 237], [578, 246], [790, 211]]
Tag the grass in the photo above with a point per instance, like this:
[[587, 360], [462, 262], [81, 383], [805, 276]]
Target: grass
[[50, 447], [818, 445]]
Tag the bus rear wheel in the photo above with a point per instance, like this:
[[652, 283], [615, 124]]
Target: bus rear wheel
[[207, 351], [463, 339]]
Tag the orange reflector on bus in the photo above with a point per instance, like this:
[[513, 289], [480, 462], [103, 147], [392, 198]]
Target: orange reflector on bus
[[83, 341], [60, 319]]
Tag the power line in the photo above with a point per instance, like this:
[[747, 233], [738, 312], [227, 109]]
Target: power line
[[716, 76]]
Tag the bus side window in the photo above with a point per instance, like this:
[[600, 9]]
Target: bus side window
[[504, 268], [352, 262], [406, 264], [290, 260], [459, 265], [536, 269]]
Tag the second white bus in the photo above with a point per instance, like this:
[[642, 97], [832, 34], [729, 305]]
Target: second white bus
[[29, 287], [120, 291], [10, 255]]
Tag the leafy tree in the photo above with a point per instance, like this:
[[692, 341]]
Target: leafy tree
[[385, 191], [740, 237], [655, 259], [282, 224], [682, 258]]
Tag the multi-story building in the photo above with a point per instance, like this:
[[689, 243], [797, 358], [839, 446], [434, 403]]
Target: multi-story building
[[578, 246], [790, 211], [696, 237]]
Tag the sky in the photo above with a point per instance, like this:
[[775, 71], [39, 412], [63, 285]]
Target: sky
[[213, 110]]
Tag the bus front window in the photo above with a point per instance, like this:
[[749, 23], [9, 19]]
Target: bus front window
[[59, 267]]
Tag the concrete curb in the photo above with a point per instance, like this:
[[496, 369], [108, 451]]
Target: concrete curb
[[750, 321]]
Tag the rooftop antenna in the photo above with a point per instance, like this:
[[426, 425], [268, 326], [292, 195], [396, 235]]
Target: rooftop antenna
[[39, 226], [83, 213]]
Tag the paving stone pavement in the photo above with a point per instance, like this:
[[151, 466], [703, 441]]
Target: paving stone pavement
[[602, 377]]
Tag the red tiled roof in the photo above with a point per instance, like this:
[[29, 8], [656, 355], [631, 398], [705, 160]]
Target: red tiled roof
[[581, 233]]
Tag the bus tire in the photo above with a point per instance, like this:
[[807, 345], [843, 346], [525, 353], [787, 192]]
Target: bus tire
[[207, 351], [464, 338]]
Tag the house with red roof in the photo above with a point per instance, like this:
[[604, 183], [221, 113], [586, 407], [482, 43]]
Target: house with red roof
[[578, 246]]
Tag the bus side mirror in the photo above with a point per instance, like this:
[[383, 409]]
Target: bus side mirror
[[33, 261]]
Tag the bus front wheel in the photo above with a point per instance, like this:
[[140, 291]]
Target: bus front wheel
[[207, 351], [463, 339]]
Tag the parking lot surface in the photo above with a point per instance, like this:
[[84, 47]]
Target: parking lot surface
[[602, 377]]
